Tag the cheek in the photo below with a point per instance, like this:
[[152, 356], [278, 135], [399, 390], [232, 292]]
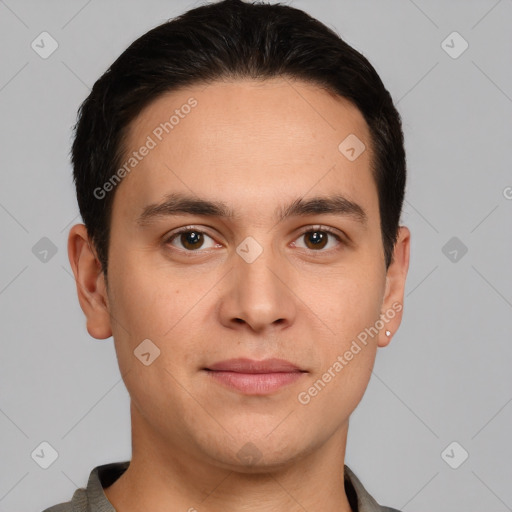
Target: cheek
[[347, 351], [144, 299], [349, 305], [345, 301], [157, 305], [148, 307]]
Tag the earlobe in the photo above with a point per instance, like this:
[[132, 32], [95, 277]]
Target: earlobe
[[90, 282], [392, 305]]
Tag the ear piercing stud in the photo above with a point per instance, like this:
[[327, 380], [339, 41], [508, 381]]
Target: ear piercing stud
[[388, 333]]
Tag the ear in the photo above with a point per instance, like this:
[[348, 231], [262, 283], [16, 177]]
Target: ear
[[392, 304], [90, 282]]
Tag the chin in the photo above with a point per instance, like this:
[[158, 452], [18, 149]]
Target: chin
[[252, 454]]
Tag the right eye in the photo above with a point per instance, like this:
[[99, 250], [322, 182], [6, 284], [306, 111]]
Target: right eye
[[190, 238]]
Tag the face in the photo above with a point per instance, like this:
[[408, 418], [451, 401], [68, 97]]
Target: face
[[287, 263]]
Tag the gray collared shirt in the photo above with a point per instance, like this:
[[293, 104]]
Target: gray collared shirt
[[93, 499]]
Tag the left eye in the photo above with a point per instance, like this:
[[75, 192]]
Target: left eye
[[316, 239]]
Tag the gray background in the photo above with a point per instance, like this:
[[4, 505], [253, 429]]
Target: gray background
[[446, 375]]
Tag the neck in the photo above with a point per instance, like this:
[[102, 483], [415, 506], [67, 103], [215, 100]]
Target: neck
[[169, 475]]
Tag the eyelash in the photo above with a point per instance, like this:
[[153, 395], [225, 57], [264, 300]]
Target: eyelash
[[309, 229]]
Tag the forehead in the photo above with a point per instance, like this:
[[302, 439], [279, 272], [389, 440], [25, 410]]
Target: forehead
[[238, 139]]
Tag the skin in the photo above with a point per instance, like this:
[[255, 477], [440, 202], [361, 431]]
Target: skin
[[256, 146]]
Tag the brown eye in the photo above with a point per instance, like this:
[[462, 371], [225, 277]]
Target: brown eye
[[190, 240], [318, 239]]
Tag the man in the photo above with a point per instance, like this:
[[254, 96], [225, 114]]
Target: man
[[240, 171]]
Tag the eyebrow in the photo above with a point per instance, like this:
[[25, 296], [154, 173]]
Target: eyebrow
[[180, 204]]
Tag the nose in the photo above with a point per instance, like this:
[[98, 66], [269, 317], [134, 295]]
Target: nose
[[258, 295]]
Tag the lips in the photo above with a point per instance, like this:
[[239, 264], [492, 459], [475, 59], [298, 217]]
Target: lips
[[253, 377], [243, 365]]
